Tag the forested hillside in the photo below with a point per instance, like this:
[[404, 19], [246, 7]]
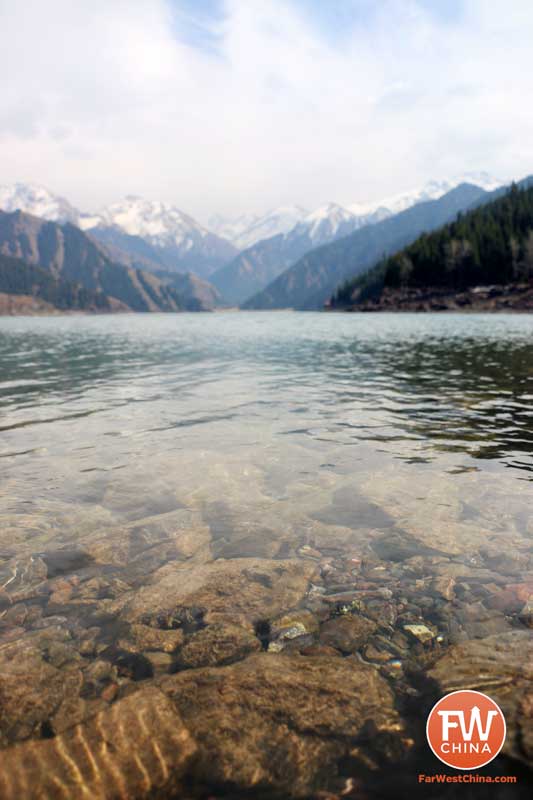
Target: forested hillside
[[489, 247], [311, 281]]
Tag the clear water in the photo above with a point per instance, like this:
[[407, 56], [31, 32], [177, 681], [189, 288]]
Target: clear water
[[276, 430], [135, 415], [426, 395]]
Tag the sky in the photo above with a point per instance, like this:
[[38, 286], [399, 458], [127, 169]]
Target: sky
[[237, 106]]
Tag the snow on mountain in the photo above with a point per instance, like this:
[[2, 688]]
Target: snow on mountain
[[155, 221], [432, 190], [326, 223], [249, 229], [175, 241], [180, 243], [38, 201], [232, 229], [258, 265]]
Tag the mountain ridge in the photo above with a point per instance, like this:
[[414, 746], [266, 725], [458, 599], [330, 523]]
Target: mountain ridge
[[159, 231], [311, 280], [481, 260], [67, 254]]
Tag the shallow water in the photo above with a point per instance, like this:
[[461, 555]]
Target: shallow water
[[334, 439]]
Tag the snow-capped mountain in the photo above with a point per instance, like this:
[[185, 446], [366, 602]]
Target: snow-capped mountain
[[326, 223], [164, 235], [158, 222], [232, 228], [38, 201], [246, 230], [263, 261], [432, 190], [181, 243], [150, 230]]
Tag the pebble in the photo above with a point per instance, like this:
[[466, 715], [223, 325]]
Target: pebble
[[526, 614], [309, 552], [109, 693], [420, 632]]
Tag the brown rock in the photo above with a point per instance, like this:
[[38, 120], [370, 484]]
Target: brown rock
[[240, 590], [347, 633], [319, 650], [511, 598], [110, 692], [32, 686], [282, 722], [147, 638], [526, 614], [443, 586], [217, 644], [502, 667], [137, 748]]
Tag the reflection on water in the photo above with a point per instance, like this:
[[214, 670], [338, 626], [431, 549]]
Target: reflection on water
[[450, 383], [163, 476]]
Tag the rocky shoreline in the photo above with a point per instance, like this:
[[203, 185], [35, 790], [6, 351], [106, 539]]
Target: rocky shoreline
[[307, 674], [510, 297]]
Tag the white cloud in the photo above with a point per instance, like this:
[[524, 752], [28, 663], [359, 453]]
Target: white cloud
[[106, 98]]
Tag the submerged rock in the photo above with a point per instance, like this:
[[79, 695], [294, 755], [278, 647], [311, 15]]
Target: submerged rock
[[526, 614], [292, 631], [216, 644], [237, 591], [347, 633], [145, 637], [421, 633], [38, 673], [502, 667], [137, 748], [286, 722]]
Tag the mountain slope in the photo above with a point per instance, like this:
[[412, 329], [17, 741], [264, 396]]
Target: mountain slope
[[196, 294], [163, 233], [68, 254], [260, 264], [312, 280], [20, 282], [153, 230], [482, 259]]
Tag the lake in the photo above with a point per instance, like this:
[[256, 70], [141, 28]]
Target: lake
[[188, 501]]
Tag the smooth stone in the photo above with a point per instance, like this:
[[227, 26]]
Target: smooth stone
[[283, 723], [216, 644], [526, 614], [303, 619], [147, 638], [347, 633], [236, 591], [319, 650], [420, 632], [161, 662], [502, 667], [33, 687], [137, 748]]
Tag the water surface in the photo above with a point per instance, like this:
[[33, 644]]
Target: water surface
[[400, 442]]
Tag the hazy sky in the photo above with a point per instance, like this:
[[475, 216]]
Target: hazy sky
[[240, 105]]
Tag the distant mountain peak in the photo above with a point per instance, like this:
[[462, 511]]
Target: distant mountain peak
[[245, 230], [431, 190], [37, 200], [175, 240]]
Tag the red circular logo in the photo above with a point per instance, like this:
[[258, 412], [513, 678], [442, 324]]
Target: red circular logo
[[466, 729]]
